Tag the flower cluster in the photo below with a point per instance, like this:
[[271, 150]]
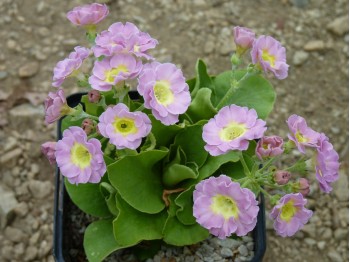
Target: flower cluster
[[166, 141]]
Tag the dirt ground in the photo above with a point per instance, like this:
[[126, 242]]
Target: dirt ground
[[35, 35]]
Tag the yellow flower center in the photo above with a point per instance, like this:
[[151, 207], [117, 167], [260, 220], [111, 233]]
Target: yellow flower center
[[300, 137], [225, 206], [111, 74], [136, 48], [124, 126], [232, 131], [163, 93], [288, 211], [80, 155], [266, 56]]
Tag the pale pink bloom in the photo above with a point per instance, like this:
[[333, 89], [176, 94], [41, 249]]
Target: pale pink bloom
[[270, 55], [301, 134], [55, 106], [224, 207], [165, 91], [80, 159], [120, 38], [124, 129], [112, 70], [89, 14], [231, 129], [303, 186], [48, 149], [244, 38], [290, 214], [269, 146]]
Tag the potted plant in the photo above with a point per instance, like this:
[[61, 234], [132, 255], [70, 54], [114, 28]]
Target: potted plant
[[176, 160]]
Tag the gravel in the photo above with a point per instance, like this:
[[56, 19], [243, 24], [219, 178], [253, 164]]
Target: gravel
[[36, 35]]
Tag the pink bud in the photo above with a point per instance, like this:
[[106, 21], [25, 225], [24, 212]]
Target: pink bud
[[269, 146], [89, 14], [94, 96], [304, 186], [243, 37], [87, 125], [281, 177], [49, 149]]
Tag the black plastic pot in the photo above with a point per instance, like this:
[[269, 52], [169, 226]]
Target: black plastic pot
[[63, 206]]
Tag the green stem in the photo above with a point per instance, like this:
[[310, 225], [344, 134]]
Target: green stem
[[245, 167], [265, 192], [141, 107], [268, 164]]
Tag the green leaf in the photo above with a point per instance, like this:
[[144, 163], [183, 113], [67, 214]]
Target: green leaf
[[253, 92], [109, 193], [163, 134], [132, 226], [88, 198], [91, 108], [191, 83], [99, 240], [68, 122], [191, 142], [138, 180], [178, 234], [185, 202], [176, 173], [202, 77], [201, 106]]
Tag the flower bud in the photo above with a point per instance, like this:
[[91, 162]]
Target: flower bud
[[48, 149], [281, 177], [269, 146], [244, 38], [94, 96], [88, 126], [304, 186]]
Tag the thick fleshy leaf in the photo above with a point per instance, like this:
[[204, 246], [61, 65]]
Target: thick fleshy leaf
[[68, 122], [91, 108], [164, 135], [191, 83], [132, 226], [202, 78], [254, 92], [109, 193], [176, 173], [185, 203], [178, 234], [138, 180], [201, 106], [99, 240], [88, 198], [191, 142]]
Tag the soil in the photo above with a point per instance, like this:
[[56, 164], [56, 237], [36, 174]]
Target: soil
[[35, 35]]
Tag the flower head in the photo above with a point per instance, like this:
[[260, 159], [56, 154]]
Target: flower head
[[48, 149], [231, 129], [290, 214], [79, 53], [281, 177], [112, 70], [270, 55], [269, 146], [301, 134], [224, 208], [55, 106], [303, 186], [88, 125], [89, 14], [327, 167], [244, 38], [165, 91], [125, 129], [79, 159], [94, 96], [124, 38]]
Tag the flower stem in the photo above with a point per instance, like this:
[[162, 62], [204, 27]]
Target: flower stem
[[245, 167]]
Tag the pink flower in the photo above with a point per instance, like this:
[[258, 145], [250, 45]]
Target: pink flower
[[90, 14], [224, 208], [270, 55], [79, 53], [269, 146], [48, 149], [327, 167], [55, 106], [165, 91], [231, 129], [244, 38], [88, 126], [290, 214], [120, 38], [301, 134], [124, 129], [110, 71], [303, 186], [94, 96], [79, 159], [281, 177]]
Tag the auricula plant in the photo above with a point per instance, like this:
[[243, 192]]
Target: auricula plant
[[186, 158]]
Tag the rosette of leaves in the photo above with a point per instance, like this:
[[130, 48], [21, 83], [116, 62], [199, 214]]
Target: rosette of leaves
[[146, 195]]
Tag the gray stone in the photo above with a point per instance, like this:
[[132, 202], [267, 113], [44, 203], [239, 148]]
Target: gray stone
[[226, 252], [243, 250], [228, 242], [21, 209], [334, 256], [31, 253], [40, 189], [26, 115], [10, 157], [310, 241], [339, 26], [300, 58], [28, 70], [321, 245], [7, 205], [341, 187], [340, 234], [14, 234], [314, 45], [3, 75]]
